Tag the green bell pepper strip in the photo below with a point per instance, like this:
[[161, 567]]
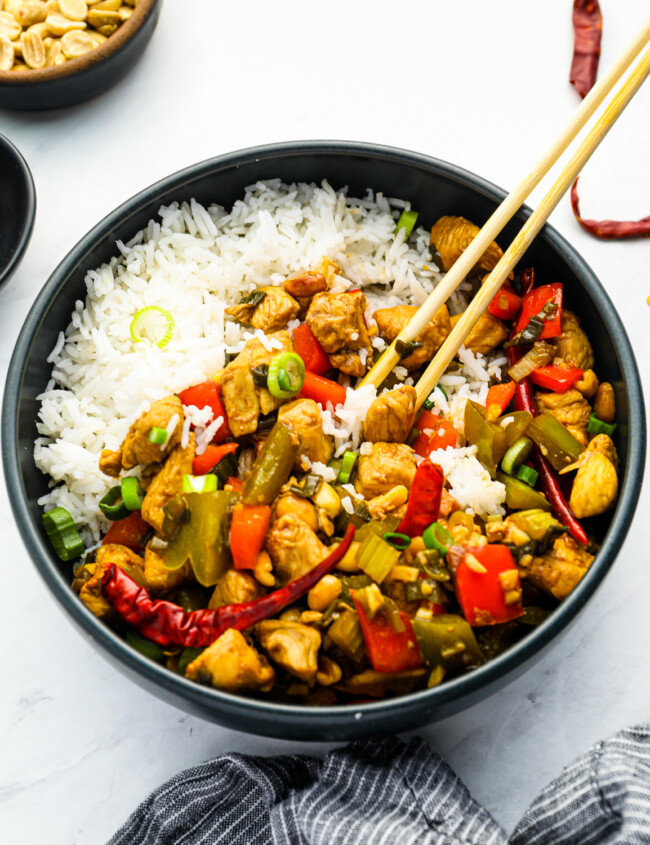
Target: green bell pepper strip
[[514, 424], [188, 655], [113, 506], [489, 438], [555, 442], [519, 496], [62, 534], [286, 375], [151, 650], [447, 641], [272, 467]]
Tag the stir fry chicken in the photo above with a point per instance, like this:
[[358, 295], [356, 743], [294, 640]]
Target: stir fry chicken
[[243, 401], [304, 418], [292, 646], [337, 321], [452, 235], [391, 321], [158, 577], [233, 665], [558, 571], [273, 313], [294, 548], [390, 417], [572, 346], [488, 333], [387, 466], [235, 588], [596, 482], [570, 408], [137, 448], [90, 591], [167, 484]]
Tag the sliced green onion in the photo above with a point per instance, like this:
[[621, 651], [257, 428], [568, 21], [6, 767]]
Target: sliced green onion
[[112, 505], [406, 221], [154, 324], [157, 436], [596, 426], [347, 465], [437, 537], [151, 650], [516, 455], [199, 483], [62, 533], [528, 475], [309, 486], [253, 298], [132, 493], [428, 402], [286, 375], [376, 557], [397, 540]]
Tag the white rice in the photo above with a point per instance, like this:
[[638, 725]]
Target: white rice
[[194, 262], [469, 482]]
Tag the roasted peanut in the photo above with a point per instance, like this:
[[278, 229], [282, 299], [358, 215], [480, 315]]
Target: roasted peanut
[[9, 26], [53, 51], [329, 672], [605, 403], [29, 12], [301, 508], [6, 53], [108, 5], [33, 49], [98, 18], [75, 44], [324, 592], [263, 571], [76, 10], [588, 384], [58, 24]]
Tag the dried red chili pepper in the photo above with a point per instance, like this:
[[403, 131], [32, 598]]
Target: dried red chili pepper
[[166, 623], [587, 31], [609, 229]]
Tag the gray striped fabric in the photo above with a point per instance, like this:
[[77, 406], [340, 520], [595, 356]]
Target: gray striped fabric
[[387, 792]]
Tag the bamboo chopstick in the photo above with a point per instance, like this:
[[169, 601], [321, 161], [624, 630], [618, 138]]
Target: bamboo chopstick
[[505, 211], [530, 229]]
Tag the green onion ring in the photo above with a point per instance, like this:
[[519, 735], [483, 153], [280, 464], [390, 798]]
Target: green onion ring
[[286, 375], [112, 505], [147, 325], [437, 537], [132, 493], [397, 540], [62, 534]]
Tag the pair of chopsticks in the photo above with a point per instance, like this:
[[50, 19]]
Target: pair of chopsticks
[[530, 229]]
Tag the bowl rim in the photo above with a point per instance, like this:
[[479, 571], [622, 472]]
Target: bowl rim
[[108, 48], [299, 720], [30, 210]]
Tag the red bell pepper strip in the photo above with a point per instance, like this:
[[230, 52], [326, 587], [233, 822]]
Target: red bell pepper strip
[[424, 501], [482, 595], [250, 524], [322, 390], [235, 484], [128, 532], [435, 433], [587, 31], [506, 304], [557, 379], [202, 464], [609, 229], [388, 650], [202, 395], [501, 395], [166, 623], [533, 303], [306, 344]]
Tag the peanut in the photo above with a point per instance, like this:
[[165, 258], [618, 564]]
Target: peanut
[[76, 10], [29, 12], [9, 26], [6, 53], [324, 592], [75, 44], [33, 49]]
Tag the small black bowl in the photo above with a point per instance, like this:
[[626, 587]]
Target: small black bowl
[[85, 77], [17, 208], [434, 188]]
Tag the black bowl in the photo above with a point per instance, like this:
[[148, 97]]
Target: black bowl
[[84, 77], [434, 188], [17, 208]]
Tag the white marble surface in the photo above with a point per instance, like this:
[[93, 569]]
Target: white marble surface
[[480, 84]]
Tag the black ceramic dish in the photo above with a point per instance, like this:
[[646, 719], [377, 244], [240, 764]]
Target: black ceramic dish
[[87, 76], [17, 208], [434, 188]]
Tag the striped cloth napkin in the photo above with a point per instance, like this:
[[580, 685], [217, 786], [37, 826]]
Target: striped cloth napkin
[[389, 792]]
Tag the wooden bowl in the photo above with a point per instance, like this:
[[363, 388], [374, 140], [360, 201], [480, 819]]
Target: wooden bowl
[[90, 74]]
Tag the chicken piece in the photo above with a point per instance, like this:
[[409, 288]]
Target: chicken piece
[[273, 313], [91, 590], [448, 504], [605, 403], [242, 400], [570, 408], [596, 483], [159, 578], [167, 484], [303, 417], [381, 684], [390, 417], [391, 321], [452, 235], [292, 646], [572, 346], [137, 449], [294, 548], [488, 333], [387, 466], [381, 506], [233, 665], [558, 571], [110, 463], [235, 588], [337, 321]]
